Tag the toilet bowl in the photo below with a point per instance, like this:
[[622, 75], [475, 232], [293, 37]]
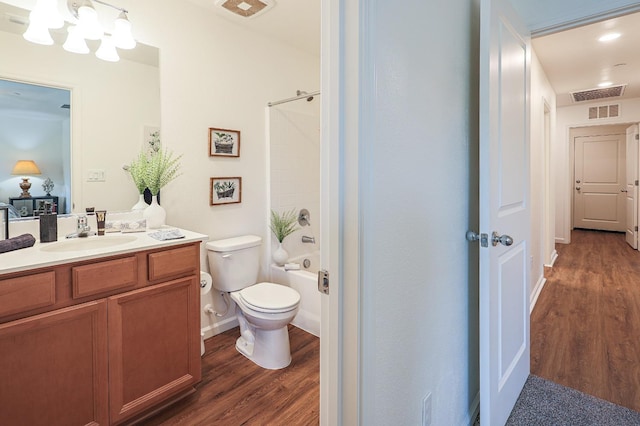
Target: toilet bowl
[[264, 310]]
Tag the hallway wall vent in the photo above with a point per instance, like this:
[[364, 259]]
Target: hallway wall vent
[[604, 111], [602, 93]]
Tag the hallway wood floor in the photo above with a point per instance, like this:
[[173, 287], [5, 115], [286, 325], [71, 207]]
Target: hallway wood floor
[[234, 391], [585, 327]]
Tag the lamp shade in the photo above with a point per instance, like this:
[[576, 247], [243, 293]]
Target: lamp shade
[[25, 167]]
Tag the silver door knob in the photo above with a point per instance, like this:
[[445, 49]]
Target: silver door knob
[[623, 190], [578, 188], [578, 181], [505, 240]]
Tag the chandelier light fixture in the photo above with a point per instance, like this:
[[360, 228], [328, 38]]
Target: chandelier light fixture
[[84, 26]]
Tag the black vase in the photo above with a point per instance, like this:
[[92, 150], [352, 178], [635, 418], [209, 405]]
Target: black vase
[[147, 196]]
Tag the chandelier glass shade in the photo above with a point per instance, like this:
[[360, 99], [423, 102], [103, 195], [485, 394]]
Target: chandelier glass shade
[[85, 25]]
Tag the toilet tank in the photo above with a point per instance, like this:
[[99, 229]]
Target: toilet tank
[[234, 263]]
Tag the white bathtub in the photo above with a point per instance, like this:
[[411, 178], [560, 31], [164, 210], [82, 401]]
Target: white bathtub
[[305, 282]]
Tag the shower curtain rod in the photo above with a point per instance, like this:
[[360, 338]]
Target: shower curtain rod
[[295, 98]]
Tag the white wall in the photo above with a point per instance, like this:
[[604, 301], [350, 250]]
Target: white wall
[[542, 240], [418, 327], [577, 116]]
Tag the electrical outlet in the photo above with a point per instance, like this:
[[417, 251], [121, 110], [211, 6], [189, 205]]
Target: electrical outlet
[[426, 410]]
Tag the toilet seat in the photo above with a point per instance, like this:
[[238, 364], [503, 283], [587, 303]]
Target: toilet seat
[[270, 297]]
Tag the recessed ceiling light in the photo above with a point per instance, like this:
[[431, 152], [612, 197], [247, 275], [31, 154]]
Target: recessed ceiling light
[[605, 84], [609, 37]]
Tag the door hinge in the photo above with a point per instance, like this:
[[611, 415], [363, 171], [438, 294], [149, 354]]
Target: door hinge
[[636, 229], [323, 281], [637, 136], [636, 183]]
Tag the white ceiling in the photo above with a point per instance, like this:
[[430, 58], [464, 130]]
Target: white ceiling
[[575, 60], [293, 22]]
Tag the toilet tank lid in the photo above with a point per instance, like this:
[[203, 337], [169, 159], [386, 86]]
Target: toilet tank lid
[[236, 243]]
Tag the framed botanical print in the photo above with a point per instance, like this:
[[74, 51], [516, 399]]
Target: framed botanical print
[[224, 142], [225, 190]]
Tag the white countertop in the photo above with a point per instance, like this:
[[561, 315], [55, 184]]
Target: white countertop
[[34, 257]]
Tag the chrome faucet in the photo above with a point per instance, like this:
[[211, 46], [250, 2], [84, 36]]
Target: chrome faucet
[[310, 240], [82, 228]]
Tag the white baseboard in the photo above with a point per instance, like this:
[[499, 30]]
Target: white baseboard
[[536, 291], [474, 410], [554, 257], [219, 327]]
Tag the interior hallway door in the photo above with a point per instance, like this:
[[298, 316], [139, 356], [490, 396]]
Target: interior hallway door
[[504, 209], [600, 182]]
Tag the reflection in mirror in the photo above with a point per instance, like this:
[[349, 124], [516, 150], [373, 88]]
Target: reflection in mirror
[[114, 108], [34, 125]]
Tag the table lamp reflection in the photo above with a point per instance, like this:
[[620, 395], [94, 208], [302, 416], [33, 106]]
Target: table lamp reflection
[[25, 168]]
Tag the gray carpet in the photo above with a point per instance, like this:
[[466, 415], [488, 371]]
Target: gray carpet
[[546, 403]]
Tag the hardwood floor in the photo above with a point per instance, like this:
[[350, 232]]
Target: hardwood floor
[[234, 391], [585, 327]]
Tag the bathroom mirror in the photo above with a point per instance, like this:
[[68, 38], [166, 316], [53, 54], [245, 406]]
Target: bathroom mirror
[[113, 109]]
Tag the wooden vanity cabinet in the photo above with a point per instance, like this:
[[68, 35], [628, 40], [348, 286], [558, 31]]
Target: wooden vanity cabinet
[[53, 368], [154, 348], [112, 360]]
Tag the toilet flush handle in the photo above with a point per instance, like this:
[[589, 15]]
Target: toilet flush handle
[[226, 256]]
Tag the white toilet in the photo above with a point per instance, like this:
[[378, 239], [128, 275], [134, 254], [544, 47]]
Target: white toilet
[[264, 309]]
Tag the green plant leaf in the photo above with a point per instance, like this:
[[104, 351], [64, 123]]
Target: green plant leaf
[[283, 224]]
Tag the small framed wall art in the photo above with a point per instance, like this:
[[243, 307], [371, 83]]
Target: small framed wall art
[[225, 190], [224, 142]]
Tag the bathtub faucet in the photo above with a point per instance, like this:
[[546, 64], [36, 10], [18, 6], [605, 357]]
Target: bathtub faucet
[[306, 239]]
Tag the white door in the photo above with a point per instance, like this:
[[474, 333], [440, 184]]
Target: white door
[[631, 191], [599, 200], [504, 209]]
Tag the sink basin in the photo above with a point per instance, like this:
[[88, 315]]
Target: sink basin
[[88, 243]]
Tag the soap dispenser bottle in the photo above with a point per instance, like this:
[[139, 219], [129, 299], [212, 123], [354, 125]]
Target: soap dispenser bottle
[[48, 224]]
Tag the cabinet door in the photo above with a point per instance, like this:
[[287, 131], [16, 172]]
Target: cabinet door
[[154, 345], [53, 368]]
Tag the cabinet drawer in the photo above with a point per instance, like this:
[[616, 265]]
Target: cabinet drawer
[[26, 293], [106, 276], [170, 263]]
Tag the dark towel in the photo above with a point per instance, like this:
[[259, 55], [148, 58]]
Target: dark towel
[[17, 243]]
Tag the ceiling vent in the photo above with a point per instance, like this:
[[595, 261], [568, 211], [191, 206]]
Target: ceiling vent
[[594, 94], [604, 111], [246, 8]]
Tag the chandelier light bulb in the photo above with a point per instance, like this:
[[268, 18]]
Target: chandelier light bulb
[[88, 22], [38, 33], [122, 37], [75, 42], [107, 50], [46, 12]]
